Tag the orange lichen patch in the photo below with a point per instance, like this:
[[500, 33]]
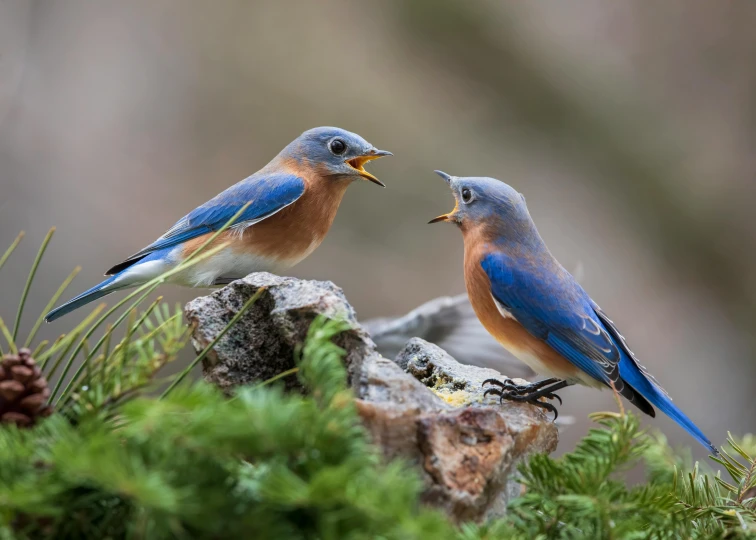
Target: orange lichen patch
[[455, 398]]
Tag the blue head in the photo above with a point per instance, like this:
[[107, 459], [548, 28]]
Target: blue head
[[333, 153], [490, 207]]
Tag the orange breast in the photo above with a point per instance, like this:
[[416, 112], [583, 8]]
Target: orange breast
[[506, 330], [294, 232]]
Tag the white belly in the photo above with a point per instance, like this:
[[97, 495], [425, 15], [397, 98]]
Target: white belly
[[227, 263]]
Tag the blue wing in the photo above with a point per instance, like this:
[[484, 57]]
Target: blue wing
[[268, 195], [556, 309], [553, 307]]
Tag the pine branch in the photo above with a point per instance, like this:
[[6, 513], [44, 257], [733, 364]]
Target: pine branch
[[116, 463]]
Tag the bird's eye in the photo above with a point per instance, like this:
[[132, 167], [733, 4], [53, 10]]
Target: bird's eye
[[337, 146], [466, 195]]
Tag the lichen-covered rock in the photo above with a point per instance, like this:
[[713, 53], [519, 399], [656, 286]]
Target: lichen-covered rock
[[457, 384], [263, 342], [433, 414], [467, 445]]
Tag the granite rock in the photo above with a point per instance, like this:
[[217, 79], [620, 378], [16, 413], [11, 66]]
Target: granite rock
[[262, 343], [425, 407]]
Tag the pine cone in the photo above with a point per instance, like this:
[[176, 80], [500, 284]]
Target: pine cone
[[23, 390]]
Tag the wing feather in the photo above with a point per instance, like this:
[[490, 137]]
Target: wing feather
[[558, 311], [268, 194]]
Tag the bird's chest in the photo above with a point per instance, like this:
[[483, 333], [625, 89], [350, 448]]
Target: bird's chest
[[296, 231], [500, 323]]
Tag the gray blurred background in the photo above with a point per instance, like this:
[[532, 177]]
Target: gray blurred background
[[629, 126]]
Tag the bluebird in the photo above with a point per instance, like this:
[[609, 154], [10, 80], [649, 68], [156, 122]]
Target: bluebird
[[536, 310], [293, 199]]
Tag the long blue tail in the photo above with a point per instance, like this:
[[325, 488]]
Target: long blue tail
[[98, 291], [633, 376]]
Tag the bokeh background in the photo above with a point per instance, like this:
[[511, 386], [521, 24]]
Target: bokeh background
[[630, 127]]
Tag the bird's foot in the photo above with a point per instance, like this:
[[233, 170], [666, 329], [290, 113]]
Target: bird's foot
[[527, 393], [511, 387]]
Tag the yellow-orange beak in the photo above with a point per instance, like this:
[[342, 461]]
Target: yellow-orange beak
[[443, 217], [451, 216], [358, 164]]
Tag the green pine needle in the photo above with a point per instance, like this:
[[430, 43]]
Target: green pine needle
[[40, 347], [30, 280], [50, 305], [11, 248], [201, 356], [8, 337]]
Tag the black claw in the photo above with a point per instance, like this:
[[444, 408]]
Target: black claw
[[513, 386], [527, 393], [550, 408], [494, 391]]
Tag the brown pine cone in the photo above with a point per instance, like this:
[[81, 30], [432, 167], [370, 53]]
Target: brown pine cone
[[23, 390]]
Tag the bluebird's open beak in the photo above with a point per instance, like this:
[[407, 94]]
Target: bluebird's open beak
[[358, 163], [451, 215]]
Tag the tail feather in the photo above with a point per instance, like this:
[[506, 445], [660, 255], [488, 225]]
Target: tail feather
[[98, 291], [635, 397], [659, 398]]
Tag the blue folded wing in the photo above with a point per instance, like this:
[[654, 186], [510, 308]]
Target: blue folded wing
[[555, 309], [268, 195]]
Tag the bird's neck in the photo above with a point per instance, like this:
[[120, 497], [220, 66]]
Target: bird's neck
[[315, 175], [322, 196], [288, 164], [513, 237]]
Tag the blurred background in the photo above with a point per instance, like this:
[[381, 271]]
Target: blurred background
[[630, 127]]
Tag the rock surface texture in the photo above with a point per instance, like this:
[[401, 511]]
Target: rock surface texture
[[263, 342], [451, 323], [424, 407]]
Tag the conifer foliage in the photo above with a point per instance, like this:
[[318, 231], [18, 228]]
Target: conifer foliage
[[198, 465], [118, 460], [583, 494]]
